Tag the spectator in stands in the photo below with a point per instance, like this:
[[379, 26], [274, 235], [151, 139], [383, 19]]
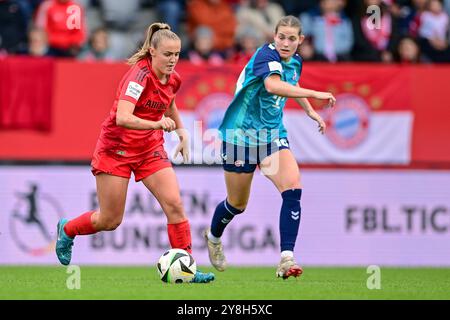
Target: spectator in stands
[[418, 7], [408, 51], [447, 6], [202, 51], [404, 14], [248, 40], [352, 7], [171, 12], [63, 21], [34, 4], [119, 14], [306, 50], [217, 15], [98, 47], [27, 8], [375, 43], [262, 15], [433, 30], [296, 7], [329, 30], [37, 43], [13, 27]]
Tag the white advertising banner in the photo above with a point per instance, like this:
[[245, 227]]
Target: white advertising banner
[[355, 134], [387, 140], [349, 217]]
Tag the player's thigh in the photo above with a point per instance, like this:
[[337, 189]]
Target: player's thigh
[[163, 184], [282, 169], [112, 194], [238, 188]]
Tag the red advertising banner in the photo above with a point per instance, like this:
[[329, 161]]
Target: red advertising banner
[[410, 97], [25, 93]]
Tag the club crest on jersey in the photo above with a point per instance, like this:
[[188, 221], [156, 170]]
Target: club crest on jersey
[[239, 163]]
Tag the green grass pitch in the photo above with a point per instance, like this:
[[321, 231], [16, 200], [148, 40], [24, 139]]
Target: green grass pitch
[[237, 283]]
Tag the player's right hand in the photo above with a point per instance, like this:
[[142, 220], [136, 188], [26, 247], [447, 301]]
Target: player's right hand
[[166, 124], [326, 96]]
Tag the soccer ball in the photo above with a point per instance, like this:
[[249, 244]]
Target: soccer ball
[[176, 266]]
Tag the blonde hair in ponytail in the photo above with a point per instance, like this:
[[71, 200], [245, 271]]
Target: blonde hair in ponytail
[[155, 33]]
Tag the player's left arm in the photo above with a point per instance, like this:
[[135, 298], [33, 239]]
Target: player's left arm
[[183, 146], [306, 105]]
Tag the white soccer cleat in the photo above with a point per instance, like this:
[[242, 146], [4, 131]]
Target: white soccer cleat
[[215, 251], [287, 268]]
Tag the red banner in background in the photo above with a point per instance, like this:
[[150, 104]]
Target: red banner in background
[[383, 87], [83, 94], [26, 87], [371, 123]]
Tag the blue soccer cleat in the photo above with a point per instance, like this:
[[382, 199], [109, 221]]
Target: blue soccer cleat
[[64, 244], [201, 277]]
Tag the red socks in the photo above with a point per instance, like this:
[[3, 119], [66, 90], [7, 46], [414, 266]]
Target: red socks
[[81, 225], [180, 235]]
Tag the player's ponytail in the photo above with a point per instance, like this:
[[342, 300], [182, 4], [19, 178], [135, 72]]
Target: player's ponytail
[[155, 33]]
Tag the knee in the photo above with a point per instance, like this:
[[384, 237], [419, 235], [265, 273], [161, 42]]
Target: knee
[[174, 210], [239, 204], [291, 183], [107, 224], [111, 226]]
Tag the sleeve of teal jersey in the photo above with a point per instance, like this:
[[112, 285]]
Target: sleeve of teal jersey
[[300, 65], [267, 61]]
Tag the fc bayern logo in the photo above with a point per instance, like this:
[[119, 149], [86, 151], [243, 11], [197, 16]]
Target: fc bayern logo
[[348, 122]]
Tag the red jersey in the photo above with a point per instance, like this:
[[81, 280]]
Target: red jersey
[[64, 24], [140, 86]]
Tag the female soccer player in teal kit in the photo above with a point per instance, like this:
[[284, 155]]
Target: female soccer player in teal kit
[[253, 134]]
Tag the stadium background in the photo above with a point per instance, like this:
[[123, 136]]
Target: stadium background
[[375, 185]]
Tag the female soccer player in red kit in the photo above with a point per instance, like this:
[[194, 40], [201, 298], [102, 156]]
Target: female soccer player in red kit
[[131, 140]]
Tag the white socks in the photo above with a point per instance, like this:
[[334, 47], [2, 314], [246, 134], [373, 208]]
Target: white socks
[[287, 253], [212, 238]]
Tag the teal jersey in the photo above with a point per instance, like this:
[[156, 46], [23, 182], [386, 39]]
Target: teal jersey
[[254, 116]]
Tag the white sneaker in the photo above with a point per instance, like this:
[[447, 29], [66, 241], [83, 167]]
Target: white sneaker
[[215, 251], [288, 267]]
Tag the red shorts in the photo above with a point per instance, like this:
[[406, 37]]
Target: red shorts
[[142, 167]]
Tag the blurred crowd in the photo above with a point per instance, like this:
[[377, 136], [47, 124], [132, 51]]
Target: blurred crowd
[[216, 31]]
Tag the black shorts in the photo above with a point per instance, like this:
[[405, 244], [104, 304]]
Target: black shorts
[[242, 159]]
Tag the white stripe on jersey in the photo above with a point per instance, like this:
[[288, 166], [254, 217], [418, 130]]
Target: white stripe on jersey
[[240, 81]]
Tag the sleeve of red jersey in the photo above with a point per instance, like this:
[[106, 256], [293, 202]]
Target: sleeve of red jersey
[[134, 84], [177, 82]]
